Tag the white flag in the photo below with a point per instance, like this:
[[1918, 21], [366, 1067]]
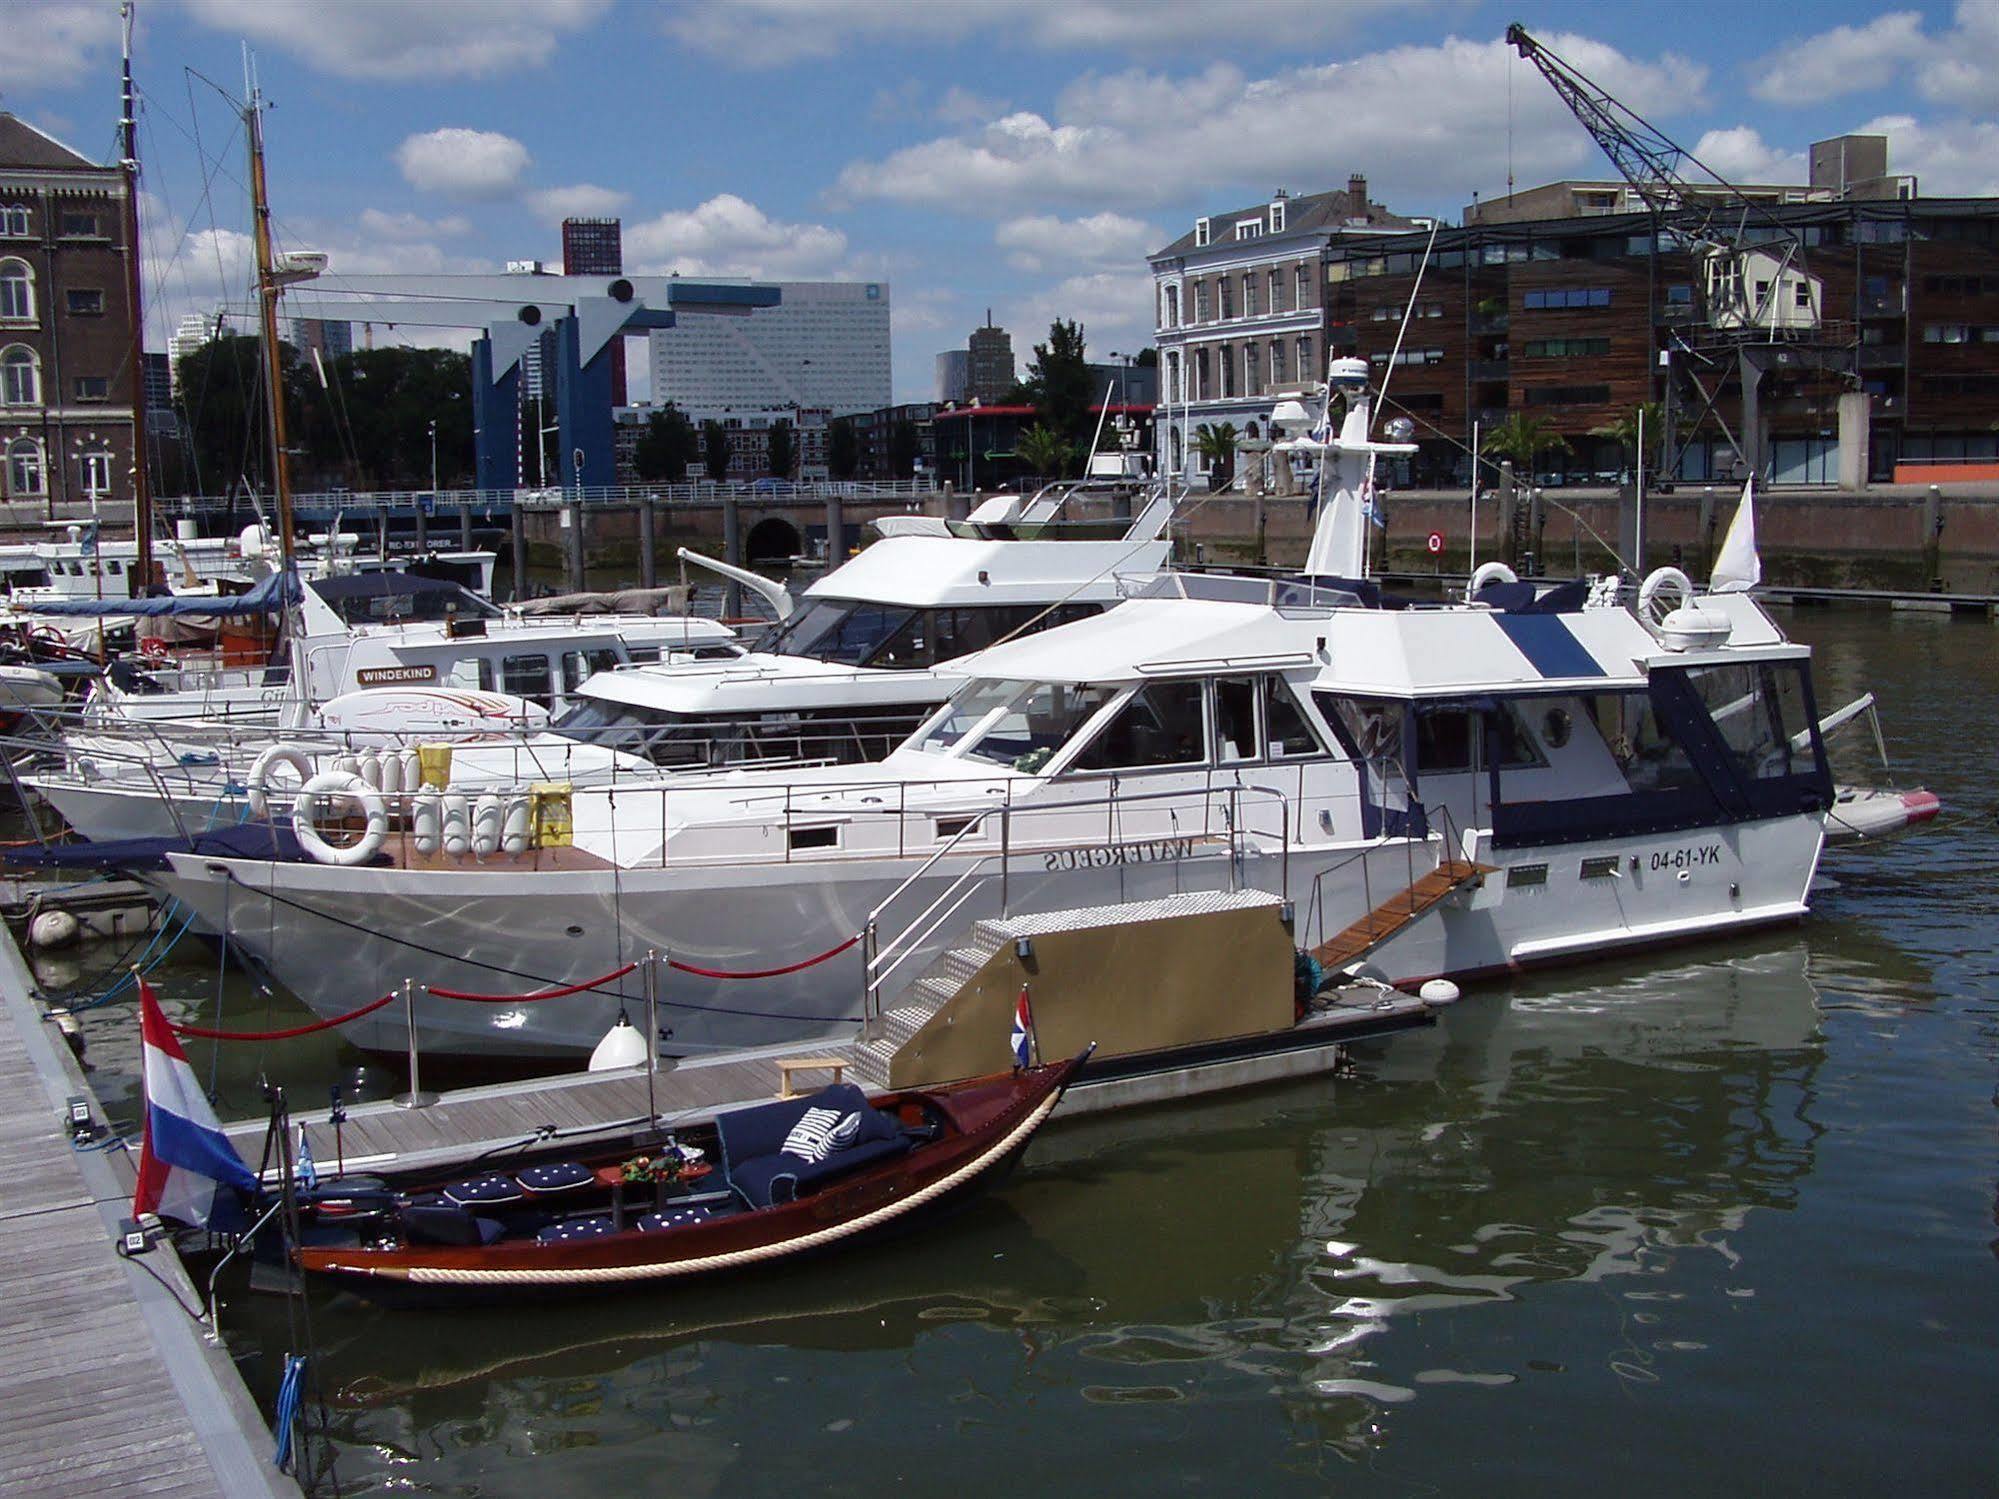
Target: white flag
[[1738, 569]]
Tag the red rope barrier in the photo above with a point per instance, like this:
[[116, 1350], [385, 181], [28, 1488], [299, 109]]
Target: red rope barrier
[[763, 973], [525, 999], [202, 1034]]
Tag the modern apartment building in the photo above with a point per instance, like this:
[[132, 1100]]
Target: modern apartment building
[[1240, 309], [67, 380], [824, 346]]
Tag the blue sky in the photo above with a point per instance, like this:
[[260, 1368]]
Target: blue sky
[[1022, 156]]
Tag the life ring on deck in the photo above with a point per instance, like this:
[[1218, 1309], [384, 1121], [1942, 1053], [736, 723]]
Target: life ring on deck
[[260, 774], [337, 785], [1488, 572], [153, 651], [1649, 608]]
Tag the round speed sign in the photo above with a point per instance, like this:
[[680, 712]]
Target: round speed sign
[[1436, 543]]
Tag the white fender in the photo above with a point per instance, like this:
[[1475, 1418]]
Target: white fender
[[351, 764], [1488, 572], [334, 785], [514, 827], [260, 774], [391, 773], [368, 766], [1650, 610], [412, 769], [426, 820], [457, 825], [486, 825]]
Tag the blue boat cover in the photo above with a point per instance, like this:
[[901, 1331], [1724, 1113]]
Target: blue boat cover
[[250, 840], [272, 595]]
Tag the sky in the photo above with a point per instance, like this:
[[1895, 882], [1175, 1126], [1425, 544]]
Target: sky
[[1023, 157]]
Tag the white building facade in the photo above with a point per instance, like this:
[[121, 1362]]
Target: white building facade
[[825, 346]]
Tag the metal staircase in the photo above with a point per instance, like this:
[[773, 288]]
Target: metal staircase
[[934, 988]]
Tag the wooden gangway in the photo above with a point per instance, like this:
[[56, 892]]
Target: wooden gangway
[[1397, 912]]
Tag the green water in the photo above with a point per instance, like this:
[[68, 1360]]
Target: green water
[[1722, 1219]]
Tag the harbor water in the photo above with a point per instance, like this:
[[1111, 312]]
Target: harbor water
[[1721, 1219]]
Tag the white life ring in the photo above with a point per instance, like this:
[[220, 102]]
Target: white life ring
[[1648, 594], [333, 785], [1488, 572], [260, 774]]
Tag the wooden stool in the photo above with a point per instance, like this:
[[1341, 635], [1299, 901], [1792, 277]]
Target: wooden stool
[[835, 1065]]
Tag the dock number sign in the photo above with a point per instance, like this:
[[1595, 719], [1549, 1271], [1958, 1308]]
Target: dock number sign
[[1435, 543]]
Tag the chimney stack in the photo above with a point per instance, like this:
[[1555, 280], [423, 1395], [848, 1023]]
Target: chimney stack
[[1356, 193]]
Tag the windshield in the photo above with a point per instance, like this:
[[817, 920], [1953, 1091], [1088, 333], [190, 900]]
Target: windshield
[[843, 630], [1011, 724], [613, 725]]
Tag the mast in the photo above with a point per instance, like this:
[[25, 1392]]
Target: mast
[[142, 494], [268, 291]]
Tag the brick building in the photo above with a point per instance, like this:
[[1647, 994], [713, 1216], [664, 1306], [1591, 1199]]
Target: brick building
[[66, 376]]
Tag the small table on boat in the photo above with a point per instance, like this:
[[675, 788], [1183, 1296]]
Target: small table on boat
[[835, 1065]]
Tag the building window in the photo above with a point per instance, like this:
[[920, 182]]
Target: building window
[[79, 226], [1305, 358], [1277, 216], [14, 220], [1226, 284], [1302, 288], [1249, 229], [1173, 391], [1249, 294], [1200, 232], [1252, 371], [1172, 306], [19, 382], [1202, 383], [17, 290], [1568, 395], [1946, 333], [1276, 280], [1227, 357], [1200, 301], [96, 466], [1564, 348], [24, 467], [1277, 361], [1559, 298], [85, 302], [93, 387]]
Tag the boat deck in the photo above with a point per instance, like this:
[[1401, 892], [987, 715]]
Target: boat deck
[[107, 1388]]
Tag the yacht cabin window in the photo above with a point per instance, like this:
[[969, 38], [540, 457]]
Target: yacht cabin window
[[527, 676], [1011, 724], [1448, 740], [469, 671], [857, 633], [1161, 725], [577, 666], [1256, 718]]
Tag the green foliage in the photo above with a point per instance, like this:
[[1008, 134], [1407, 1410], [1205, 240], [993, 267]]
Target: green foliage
[[715, 449], [1217, 446], [1148, 358], [1044, 451], [1522, 439], [783, 451], [843, 449], [903, 447], [1625, 431], [669, 446], [1058, 382]]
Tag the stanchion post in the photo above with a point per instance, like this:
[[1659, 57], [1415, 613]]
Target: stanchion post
[[416, 1098], [652, 1037]]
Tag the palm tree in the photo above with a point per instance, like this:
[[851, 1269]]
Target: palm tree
[[1043, 450], [1625, 431], [1522, 439], [1216, 445]]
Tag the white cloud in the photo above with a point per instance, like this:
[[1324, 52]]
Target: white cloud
[[52, 44], [425, 40], [1114, 307], [1844, 60], [1220, 129], [404, 227], [582, 200], [478, 165], [730, 236], [774, 33], [1952, 159], [1739, 154], [960, 106], [1964, 69], [1038, 241]]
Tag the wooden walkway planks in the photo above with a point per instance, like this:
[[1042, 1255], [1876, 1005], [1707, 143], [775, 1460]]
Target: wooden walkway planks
[[99, 1394], [1397, 912]]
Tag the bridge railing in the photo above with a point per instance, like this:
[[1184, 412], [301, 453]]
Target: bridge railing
[[445, 502]]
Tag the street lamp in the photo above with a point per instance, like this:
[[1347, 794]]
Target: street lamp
[[433, 456]]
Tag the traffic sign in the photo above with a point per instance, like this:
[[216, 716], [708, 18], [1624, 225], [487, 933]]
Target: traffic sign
[[1436, 543]]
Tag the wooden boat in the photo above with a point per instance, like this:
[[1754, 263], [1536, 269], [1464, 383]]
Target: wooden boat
[[766, 1183]]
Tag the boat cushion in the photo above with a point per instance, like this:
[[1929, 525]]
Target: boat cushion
[[448, 1225], [774, 1151], [557, 1176], [672, 1218], [576, 1228], [484, 1190]]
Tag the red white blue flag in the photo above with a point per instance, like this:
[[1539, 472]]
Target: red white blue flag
[[184, 1159], [1023, 1031]]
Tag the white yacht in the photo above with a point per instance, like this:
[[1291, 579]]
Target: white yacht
[[1450, 790]]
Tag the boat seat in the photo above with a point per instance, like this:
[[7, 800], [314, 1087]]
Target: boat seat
[[484, 1191], [576, 1228], [557, 1176], [449, 1225], [678, 1217]]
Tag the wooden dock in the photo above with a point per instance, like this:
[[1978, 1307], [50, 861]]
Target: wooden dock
[[107, 1387]]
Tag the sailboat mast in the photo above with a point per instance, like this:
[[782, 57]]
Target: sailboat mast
[[267, 306], [142, 493]]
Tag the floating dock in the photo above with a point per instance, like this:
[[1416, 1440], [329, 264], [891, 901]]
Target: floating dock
[[108, 1387]]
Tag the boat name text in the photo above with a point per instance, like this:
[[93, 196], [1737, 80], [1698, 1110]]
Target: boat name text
[[1686, 858], [1151, 851]]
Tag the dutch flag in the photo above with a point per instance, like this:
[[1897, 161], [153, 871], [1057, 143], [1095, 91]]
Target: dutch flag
[[184, 1158], [1023, 1031]]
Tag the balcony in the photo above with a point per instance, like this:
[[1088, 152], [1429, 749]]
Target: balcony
[[1490, 416], [1490, 369], [1888, 304], [1488, 322], [1881, 356]]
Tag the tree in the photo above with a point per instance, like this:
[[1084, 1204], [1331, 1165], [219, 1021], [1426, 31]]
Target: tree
[[903, 449], [1148, 358], [783, 450], [1625, 431], [221, 385], [1044, 451], [668, 447], [843, 449], [1058, 382], [1521, 439], [715, 449], [370, 426], [1217, 446]]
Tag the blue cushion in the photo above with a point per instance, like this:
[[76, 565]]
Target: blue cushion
[[576, 1228], [558, 1176], [770, 1179], [844, 1109], [672, 1218], [484, 1190]]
